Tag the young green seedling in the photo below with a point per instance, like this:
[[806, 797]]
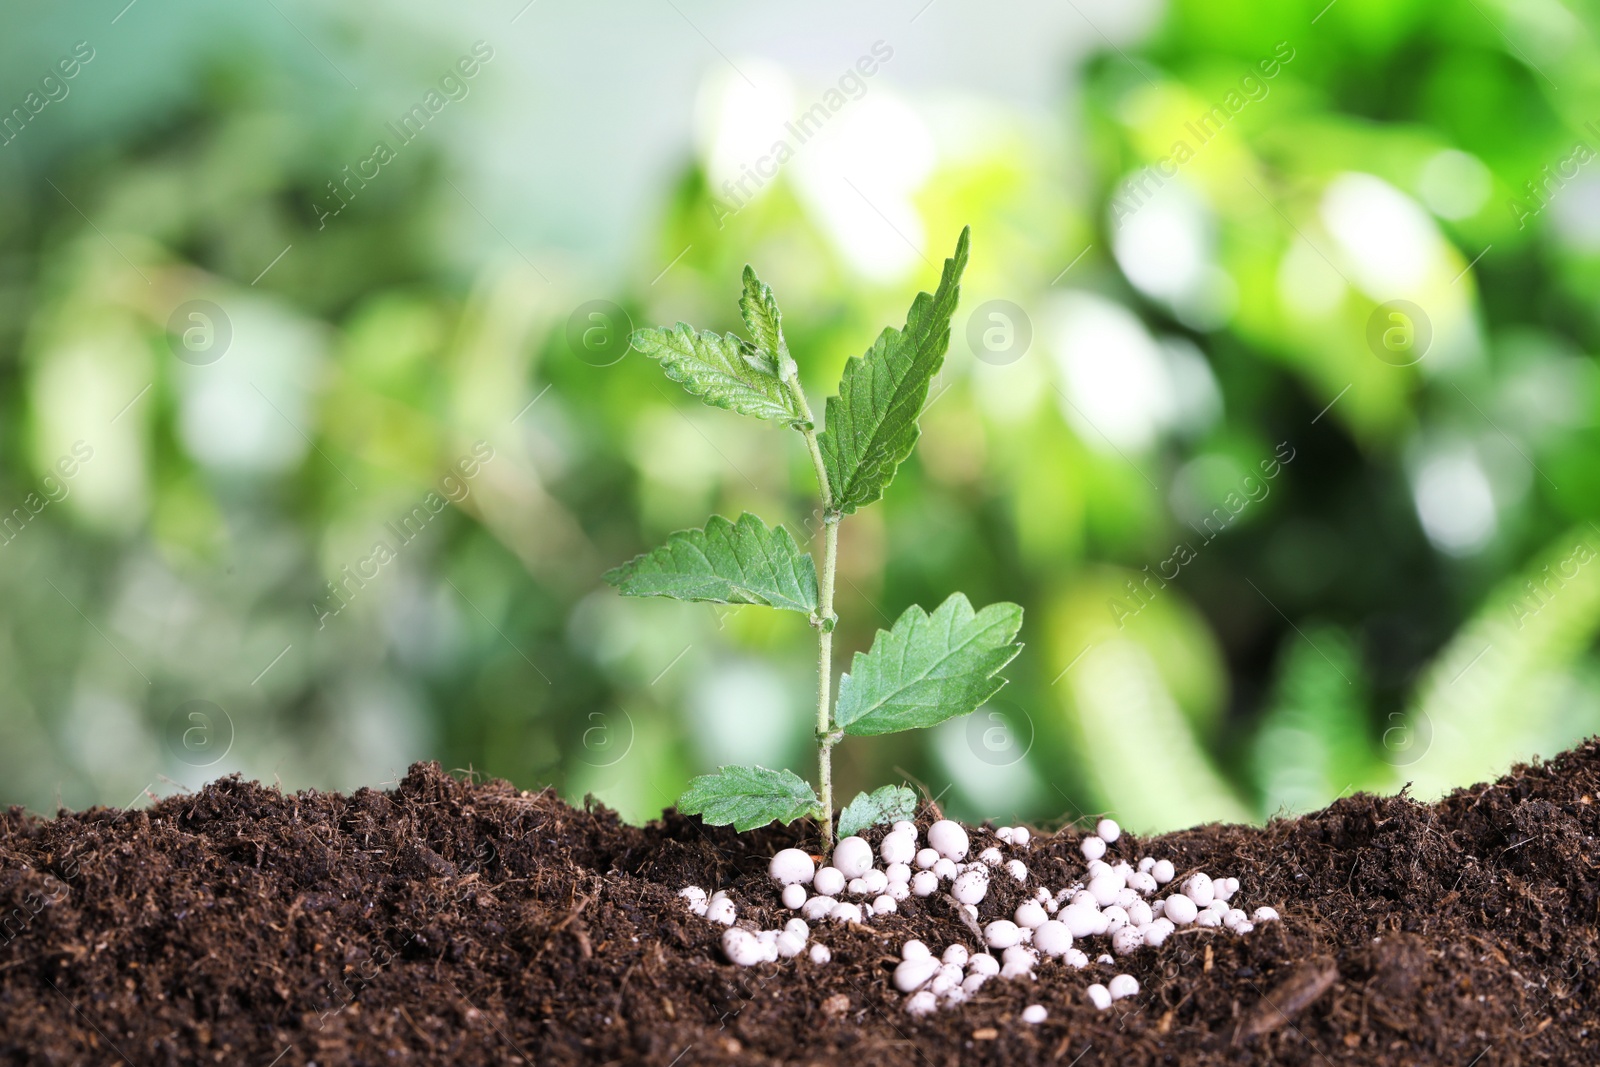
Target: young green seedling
[[923, 670]]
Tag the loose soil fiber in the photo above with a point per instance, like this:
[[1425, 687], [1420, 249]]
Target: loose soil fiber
[[457, 923]]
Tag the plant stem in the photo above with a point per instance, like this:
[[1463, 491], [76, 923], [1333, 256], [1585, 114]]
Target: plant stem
[[825, 619], [825, 733]]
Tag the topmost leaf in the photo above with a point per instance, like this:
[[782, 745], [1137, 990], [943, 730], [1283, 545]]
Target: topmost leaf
[[872, 423], [721, 369], [764, 320]]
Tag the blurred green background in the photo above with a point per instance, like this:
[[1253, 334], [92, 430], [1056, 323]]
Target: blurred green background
[[304, 311]]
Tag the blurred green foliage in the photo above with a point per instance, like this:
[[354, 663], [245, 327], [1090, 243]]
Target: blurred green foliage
[[1265, 560]]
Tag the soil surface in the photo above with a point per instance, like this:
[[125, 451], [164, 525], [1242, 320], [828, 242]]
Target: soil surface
[[457, 923]]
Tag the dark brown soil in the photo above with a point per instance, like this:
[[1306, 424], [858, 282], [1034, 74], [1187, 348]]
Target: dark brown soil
[[455, 923]]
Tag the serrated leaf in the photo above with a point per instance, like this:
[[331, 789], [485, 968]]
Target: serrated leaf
[[764, 321], [721, 369], [749, 797], [872, 423], [725, 563], [929, 668], [883, 805]]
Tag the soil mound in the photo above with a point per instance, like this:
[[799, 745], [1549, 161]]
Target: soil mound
[[465, 923]]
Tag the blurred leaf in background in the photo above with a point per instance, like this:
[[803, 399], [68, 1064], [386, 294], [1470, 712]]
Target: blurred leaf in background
[[1271, 397]]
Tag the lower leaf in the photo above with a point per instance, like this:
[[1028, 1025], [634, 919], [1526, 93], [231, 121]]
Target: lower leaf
[[748, 797]]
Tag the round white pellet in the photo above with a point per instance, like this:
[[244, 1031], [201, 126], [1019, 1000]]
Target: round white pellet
[[1017, 869], [1197, 887], [1084, 899], [821, 954], [1104, 890], [1002, 933], [1157, 907], [790, 945], [1004, 834], [1099, 996], [798, 927], [971, 887], [1093, 847], [1081, 921], [1218, 906], [817, 907], [883, 904], [853, 857], [1076, 959], [1034, 1014], [905, 826], [923, 1003], [794, 895], [1052, 938], [1124, 869], [1223, 888], [984, 964], [955, 955], [898, 847], [876, 881], [1142, 882], [899, 890], [791, 866], [845, 913], [915, 950], [1208, 917], [1233, 917], [829, 882], [926, 858], [973, 982], [944, 981], [1145, 864], [970, 911], [898, 872], [1016, 969], [1180, 909], [914, 974], [1115, 919], [1030, 913], [1108, 830], [1122, 985], [1264, 915], [945, 869], [857, 887], [956, 995], [991, 856], [1126, 897], [1020, 836], [1139, 914], [1051, 905], [692, 893], [1105, 957], [1244, 928], [742, 947], [948, 839], [1163, 871], [1098, 867], [1126, 940], [1157, 932], [924, 883], [722, 911]]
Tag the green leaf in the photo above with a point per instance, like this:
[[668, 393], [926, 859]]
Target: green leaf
[[749, 797], [872, 423], [764, 321], [726, 563], [721, 369], [929, 668], [880, 806]]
